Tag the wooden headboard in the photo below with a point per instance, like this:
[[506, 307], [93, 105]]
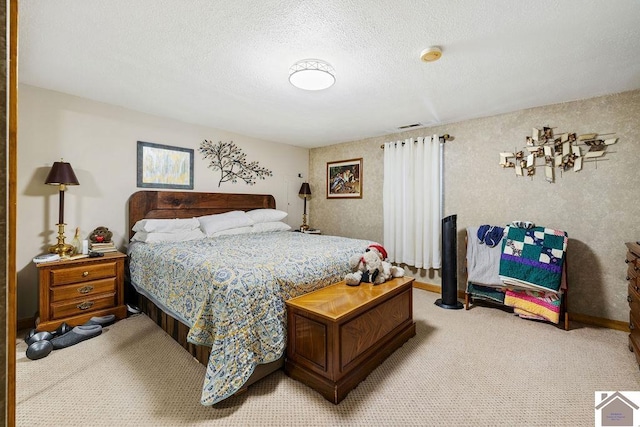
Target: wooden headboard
[[186, 204]]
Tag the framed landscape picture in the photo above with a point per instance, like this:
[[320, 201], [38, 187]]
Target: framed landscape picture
[[344, 179], [163, 166]]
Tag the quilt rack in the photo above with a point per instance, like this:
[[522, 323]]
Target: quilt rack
[[485, 282]]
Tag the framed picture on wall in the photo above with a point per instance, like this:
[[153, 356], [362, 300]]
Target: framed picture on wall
[[163, 166], [344, 179]]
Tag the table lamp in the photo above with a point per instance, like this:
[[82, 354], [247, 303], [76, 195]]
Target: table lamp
[[305, 192], [61, 174]]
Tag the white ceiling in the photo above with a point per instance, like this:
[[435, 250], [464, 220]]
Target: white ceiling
[[224, 64]]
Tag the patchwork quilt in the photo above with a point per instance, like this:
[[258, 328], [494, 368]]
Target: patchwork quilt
[[535, 305], [533, 258]]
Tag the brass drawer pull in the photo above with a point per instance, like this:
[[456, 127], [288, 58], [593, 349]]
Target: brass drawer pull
[[85, 289], [629, 298], [626, 261], [631, 326], [636, 288], [85, 273], [85, 305], [628, 278]]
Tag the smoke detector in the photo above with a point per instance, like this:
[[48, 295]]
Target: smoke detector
[[431, 54]]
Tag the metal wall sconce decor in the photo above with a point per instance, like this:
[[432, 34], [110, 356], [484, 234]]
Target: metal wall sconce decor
[[564, 151], [232, 163]]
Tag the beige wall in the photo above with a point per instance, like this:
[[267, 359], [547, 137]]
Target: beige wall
[[598, 206], [99, 141]]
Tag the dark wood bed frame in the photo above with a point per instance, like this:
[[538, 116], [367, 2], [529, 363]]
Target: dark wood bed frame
[[178, 204]]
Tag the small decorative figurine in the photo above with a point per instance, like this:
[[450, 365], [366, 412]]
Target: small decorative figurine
[[101, 235]]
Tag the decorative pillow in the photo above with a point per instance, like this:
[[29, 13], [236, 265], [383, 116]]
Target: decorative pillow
[[213, 223], [166, 225], [143, 236], [232, 231], [270, 226], [266, 215]]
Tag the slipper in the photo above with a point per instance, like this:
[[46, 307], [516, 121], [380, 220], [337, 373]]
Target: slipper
[[38, 336], [102, 320], [76, 335], [39, 349]]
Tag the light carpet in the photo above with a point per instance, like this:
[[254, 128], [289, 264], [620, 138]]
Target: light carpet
[[478, 367]]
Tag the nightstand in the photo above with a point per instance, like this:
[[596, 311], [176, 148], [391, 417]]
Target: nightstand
[[312, 231], [73, 291]]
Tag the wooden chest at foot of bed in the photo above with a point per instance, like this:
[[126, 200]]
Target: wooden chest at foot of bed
[[337, 335]]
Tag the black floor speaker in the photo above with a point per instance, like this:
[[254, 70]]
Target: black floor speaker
[[449, 298]]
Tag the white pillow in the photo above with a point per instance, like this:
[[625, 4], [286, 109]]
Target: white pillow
[[143, 236], [213, 223], [266, 215], [232, 231], [166, 225], [270, 226]]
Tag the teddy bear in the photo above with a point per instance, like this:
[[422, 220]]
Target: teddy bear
[[101, 235], [371, 267]]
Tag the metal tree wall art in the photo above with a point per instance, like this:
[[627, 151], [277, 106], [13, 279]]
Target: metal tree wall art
[[232, 163], [565, 151]]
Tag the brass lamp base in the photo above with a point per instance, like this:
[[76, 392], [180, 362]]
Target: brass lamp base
[[304, 226], [63, 249]]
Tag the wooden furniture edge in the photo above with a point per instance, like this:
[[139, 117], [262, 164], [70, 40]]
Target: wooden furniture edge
[[355, 310], [338, 391], [633, 247], [337, 376], [11, 311]]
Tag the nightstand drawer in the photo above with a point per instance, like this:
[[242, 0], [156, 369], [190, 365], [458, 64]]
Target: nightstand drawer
[[82, 305], [83, 273], [83, 289]]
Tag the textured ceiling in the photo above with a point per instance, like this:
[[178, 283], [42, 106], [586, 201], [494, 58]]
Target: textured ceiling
[[225, 64]]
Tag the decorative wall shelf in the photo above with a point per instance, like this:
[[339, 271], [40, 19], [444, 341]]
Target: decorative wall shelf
[[564, 151]]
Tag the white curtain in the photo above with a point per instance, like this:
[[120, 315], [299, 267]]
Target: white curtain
[[411, 200]]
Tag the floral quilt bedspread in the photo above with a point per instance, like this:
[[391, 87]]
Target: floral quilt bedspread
[[231, 290]]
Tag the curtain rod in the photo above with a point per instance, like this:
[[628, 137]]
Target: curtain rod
[[443, 138]]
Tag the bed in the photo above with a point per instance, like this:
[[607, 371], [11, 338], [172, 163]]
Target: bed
[[222, 298]]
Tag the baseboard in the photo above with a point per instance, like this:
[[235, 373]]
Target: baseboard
[[600, 321], [434, 288], [582, 318], [427, 287]]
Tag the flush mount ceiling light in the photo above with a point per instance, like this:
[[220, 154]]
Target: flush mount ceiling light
[[312, 74], [431, 54]]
